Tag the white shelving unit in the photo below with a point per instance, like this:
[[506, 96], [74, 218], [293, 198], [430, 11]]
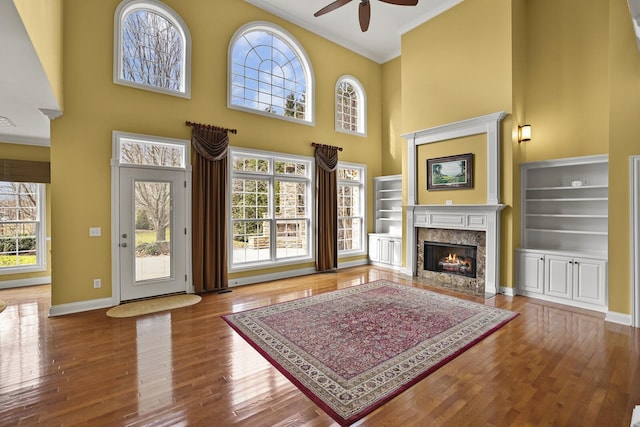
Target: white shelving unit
[[385, 244], [565, 231]]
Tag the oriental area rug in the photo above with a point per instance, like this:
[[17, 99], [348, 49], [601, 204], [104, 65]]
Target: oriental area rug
[[352, 350]]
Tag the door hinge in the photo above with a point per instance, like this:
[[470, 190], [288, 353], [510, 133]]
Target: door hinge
[[185, 231], [185, 184], [185, 277]]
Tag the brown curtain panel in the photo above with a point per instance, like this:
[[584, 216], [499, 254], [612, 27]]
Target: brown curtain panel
[[209, 200], [327, 208]]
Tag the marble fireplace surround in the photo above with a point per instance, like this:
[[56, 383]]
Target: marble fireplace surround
[[477, 217]]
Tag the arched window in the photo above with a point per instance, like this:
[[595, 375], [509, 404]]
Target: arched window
[[351, 106], [270, 74], [152, 48]]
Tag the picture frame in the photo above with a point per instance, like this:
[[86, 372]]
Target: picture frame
[[450, 173]]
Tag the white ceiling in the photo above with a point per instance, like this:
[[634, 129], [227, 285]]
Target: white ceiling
[[388, 22], [24, 88]]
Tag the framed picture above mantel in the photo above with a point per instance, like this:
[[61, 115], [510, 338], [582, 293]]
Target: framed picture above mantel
[[450, 173]]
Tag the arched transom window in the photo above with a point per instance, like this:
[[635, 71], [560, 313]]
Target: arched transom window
[[351, 105], [152, 48], [270, 74]]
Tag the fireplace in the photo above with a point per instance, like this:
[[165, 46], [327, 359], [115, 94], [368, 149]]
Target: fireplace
[[450, 258]]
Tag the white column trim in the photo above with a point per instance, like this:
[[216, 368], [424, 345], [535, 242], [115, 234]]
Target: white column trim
[[634, 223]]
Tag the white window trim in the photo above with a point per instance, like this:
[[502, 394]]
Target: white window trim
[[41, 243], [363, 200], [169, 14], [362, 105], [311, 202], [304, 59]]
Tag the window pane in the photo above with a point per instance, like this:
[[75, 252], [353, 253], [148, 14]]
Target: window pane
[[291, 168], [291, 238], [152, 51], [147, 153], [349, 234], [251, 241], [19, 225], [279, 71], [291, 199], [250, 164], [153, 230], [250, 199], [351, 174]]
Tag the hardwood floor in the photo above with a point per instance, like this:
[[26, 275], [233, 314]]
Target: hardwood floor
[[550, 366]]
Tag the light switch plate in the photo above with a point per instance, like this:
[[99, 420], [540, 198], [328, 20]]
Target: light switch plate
[[95, 231]]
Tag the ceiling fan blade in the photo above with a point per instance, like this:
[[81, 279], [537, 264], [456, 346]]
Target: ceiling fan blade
[[364, 12], [332, 6], [401, 2]]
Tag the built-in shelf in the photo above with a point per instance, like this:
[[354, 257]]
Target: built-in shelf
[[564, 238], [385, 244]]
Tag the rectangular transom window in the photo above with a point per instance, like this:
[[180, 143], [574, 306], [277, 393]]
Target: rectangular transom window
[[270, 208]]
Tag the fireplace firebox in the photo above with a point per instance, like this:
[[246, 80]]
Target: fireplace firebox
[[450, 258]]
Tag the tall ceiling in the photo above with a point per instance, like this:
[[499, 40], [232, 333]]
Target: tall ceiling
[[388, 22], [27, 100]]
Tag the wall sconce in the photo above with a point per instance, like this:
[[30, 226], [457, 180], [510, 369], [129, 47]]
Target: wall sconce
[[524, 133]]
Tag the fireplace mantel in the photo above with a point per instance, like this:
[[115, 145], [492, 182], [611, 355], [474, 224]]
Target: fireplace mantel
[[484, 217], [460, 217]]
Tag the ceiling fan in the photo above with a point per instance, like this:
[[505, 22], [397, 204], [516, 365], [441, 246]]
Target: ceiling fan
[[364, 11]]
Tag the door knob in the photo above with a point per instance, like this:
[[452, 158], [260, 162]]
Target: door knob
[[124, 236], [124, 245]]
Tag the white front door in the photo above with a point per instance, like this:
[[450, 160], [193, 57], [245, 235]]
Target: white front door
[[152, 232]]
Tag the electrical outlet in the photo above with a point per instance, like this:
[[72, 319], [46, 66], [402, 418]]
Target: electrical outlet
[[95, 231], [97, 283]]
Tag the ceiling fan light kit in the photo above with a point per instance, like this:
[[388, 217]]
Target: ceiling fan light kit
[[364, 10]]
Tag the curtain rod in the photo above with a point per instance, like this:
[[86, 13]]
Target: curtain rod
[[218, 128], [315, 144]]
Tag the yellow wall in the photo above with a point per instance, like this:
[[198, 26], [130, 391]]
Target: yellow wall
[[457, 66], [567, 97], [37, 154], [94, 107], [624, 128], [477, 145], [43, 21], [392, 143]]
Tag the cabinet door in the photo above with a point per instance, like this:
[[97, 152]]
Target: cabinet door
[[397, 252], [531, 272], [386, 250], [374, 248], [559, 276], [590, 281]]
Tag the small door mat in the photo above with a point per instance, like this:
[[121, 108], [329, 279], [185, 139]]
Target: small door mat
[[3, 305], [153, 305]]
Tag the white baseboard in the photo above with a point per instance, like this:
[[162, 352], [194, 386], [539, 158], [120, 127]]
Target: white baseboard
[[77, 307], [249, 280], [620, 318], [19, 283], [510, 292], [356, 263]]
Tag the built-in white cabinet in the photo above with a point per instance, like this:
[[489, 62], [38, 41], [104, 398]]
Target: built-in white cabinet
[[385, 245], [530, 269], [385, 249], [565, 231]]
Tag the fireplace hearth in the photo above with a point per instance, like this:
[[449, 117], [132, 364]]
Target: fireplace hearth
[[450, 258]]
